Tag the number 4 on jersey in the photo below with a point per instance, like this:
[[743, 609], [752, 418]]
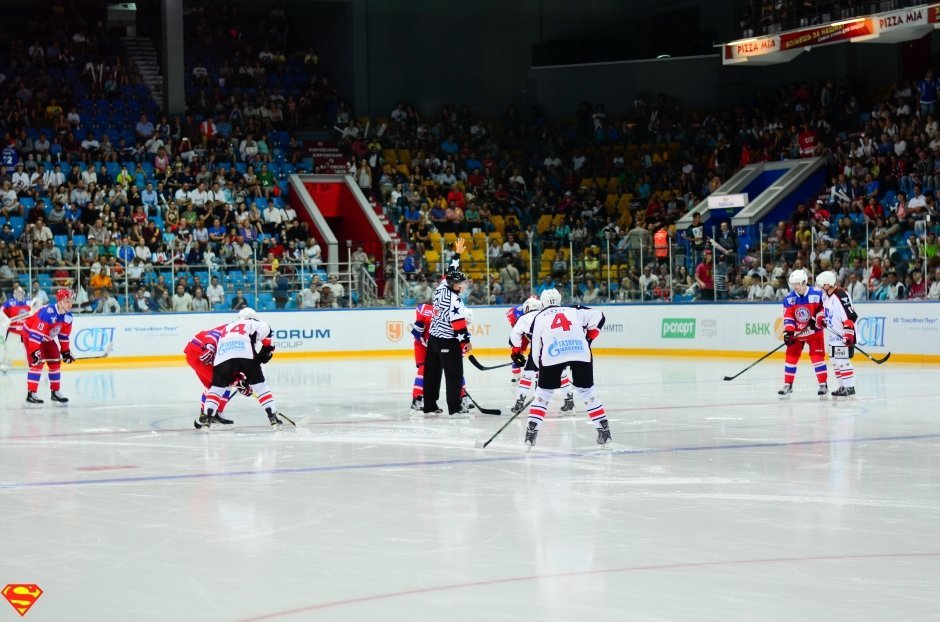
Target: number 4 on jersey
[[560, 321]]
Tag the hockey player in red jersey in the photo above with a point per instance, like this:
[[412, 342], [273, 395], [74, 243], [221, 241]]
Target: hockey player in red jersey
[[803, 321], [200, 356], [15, 310], [840, 321], [46, 338]]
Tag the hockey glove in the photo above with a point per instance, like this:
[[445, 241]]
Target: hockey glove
[[208, 353], [820, 322], [35, 358], [266, 354], [242, 386], [518, 357], [591, 335], [67, 356], [788, 337], [465, 348], [417, 331], [848, 335]]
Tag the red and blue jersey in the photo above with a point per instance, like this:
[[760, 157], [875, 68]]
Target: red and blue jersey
[[48, 324], [424, 313], [208, 337], [18, 309], [514, 314], [799, 310]]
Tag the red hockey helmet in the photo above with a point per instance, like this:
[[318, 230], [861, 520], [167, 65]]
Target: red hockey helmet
[[63, 294]]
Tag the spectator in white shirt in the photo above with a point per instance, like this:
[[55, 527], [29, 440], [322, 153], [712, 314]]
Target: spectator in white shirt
[[20, 180], [182, 300], [215, 293], [308, 298], [313, 254], [199, 196], [107, 304]]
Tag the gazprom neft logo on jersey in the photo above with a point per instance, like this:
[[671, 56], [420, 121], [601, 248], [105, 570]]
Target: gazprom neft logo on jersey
[[565, 346], [93, 340], [678, 328], [287, 338]]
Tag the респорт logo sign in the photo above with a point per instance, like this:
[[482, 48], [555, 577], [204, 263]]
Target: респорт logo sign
[[678, 328]]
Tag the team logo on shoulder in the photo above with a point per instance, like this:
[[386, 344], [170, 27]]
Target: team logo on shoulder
[[801, 314], [394, 330], [22, 596]]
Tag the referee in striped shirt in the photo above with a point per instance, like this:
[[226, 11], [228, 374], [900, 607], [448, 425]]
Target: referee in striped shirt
[[449, 340]]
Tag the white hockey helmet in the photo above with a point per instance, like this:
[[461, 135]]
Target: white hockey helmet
[[531, 304], [826, 279], [798, 276], [248, 314], [550, 298]]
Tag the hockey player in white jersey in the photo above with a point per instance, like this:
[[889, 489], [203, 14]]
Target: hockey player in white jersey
[[840, 336], [561, 337], [519, 339], [243, 346]]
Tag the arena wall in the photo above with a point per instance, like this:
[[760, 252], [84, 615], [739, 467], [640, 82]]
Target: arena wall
[[910, 331]]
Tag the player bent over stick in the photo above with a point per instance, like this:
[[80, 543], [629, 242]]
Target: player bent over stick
[[236, 355], [46, 338], [561, 337], [200, 356], [840, 319], [525, 364]]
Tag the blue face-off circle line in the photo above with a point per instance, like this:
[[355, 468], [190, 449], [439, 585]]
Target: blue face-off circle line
[[449, 462]]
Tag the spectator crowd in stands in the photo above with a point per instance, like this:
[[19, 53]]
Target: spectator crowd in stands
[[96, 181]]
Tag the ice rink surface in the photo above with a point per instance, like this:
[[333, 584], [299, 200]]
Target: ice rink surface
[[716, 501]]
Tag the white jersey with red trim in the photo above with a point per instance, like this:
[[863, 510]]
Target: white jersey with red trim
[[237, 340], [840, 316], [560, 334]]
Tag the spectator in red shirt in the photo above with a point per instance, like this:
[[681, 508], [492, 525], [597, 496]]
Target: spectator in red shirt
[[705, 277]]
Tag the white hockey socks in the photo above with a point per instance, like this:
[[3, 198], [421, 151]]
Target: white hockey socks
[[263, 392], [845, 372], [526, 382], [539, 405], [593, 404]]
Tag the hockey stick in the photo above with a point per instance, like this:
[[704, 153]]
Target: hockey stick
[[485, 411], [506, 425], [754, 363], [287, 419], [107, 351], [473, 360], [865, 354]]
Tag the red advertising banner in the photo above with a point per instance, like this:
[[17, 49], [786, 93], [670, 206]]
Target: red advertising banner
[[933, 14], [833, 33]]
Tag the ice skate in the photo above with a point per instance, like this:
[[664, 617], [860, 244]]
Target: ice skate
[[417, 406], [466, 404], [220, 419], [519, 405], [274, 419], [823, 391], [568, 407], [32, 398], [844, 392], [463, 413], [531, 434], [786, 391], [202, 421], [58, 398], [603, 433]]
